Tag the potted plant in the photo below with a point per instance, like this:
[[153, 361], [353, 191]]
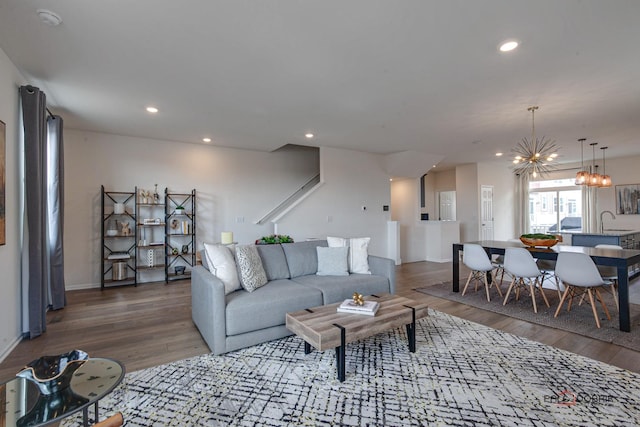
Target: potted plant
[[274, 239], [179, 210]]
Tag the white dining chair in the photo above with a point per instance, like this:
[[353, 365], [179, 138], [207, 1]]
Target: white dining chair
[[610, 273], [521, 265], [477, 260], [580, 276]]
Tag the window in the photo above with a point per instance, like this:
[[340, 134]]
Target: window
[[566, 211]]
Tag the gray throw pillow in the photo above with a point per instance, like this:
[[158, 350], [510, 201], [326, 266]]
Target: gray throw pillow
[[332, 261], [252, 274]]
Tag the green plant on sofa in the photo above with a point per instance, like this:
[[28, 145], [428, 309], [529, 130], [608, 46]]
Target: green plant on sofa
[[274, 239]]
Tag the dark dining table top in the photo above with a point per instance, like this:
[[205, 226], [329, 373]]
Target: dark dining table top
[[630, 255]]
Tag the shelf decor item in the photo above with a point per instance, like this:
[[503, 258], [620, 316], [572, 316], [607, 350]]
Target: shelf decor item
[[118, 208], [544, 240], [53, 373], [180, 210]]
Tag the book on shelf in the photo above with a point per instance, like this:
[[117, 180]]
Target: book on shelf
[[369, 307]]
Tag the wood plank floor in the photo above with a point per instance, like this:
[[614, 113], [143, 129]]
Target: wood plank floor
[[151, 324]]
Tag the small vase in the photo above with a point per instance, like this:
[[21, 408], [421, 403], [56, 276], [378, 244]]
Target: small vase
[[53, 373]]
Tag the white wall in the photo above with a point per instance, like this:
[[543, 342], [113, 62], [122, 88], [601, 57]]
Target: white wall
[[234, 189], [623, 171], [501, 178], [405, 208], [467, 201], [352, 179], [10, 303]]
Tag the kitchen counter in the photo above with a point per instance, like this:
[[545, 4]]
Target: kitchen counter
[[628, 239]]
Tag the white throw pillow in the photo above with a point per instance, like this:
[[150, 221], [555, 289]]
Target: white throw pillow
[[252, 274], [358, 252], [332, 261], [223, 266]]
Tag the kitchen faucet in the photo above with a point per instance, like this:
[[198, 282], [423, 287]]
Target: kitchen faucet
[[602, 222]]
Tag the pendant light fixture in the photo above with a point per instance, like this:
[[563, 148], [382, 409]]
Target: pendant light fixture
[[583, 176], [605, 180], [594, 177], [534, 156]]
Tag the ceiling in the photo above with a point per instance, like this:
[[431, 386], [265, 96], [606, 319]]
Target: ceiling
[[377, 76]]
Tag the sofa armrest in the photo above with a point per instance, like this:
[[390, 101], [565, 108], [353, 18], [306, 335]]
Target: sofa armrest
[[208, 308], [384, 267]]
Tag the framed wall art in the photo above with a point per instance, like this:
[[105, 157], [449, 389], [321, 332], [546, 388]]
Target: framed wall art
[[3, 180], [628, 199]]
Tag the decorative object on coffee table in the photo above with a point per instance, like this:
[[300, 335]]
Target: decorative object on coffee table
[[358, 299], [53, 373]]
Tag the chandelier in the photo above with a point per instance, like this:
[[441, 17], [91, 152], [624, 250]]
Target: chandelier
[[534, 156]]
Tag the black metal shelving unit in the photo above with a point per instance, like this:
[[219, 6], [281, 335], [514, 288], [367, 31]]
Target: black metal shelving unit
[[180, 234], [116, 247], [150, 237]]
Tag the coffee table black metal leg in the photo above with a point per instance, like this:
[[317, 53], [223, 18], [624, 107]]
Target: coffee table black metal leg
[[85, 417], [340, 354], [411, 330], [307, 348]]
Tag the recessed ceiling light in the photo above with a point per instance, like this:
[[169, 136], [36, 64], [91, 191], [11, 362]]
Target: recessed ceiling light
[[206, 139], [152, 110], [498, 154], [508, 45], [48, 17], [308, 135]]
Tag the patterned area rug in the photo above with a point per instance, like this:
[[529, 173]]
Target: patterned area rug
[[462, 374], [579, 320]]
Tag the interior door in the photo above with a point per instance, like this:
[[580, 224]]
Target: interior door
[[486, 215]]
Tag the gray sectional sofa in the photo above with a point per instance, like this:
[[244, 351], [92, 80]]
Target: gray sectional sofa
[[242, 319]]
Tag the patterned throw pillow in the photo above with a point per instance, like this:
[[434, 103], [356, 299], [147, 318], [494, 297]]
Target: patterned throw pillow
[[252, 274]]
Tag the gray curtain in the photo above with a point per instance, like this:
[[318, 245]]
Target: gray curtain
[[37, 249], [55, 211], [522, 203]]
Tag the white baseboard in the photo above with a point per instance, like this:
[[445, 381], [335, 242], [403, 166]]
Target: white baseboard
[[9, 349], [80, 286]]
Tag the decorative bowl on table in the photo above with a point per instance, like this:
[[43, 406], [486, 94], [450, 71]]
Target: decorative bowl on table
[[53, 373], [542, 240]]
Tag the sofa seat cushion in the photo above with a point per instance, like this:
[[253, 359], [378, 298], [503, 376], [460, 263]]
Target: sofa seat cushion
[[338, 288], [267, 305]]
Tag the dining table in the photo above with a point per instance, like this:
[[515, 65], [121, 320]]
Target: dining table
[[621, 259]]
